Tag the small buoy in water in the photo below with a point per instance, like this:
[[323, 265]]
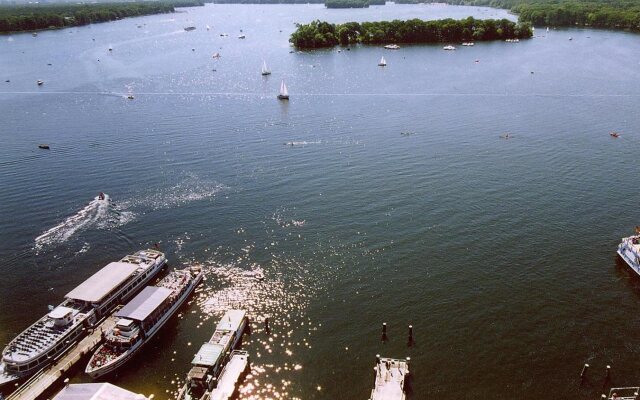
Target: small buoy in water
[[110, 49], [44, 146], [193, 49], [49, 64], [531, 72], [7, 81]]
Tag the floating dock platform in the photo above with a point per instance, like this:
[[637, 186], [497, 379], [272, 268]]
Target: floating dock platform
[[39, 383], [391, 377]]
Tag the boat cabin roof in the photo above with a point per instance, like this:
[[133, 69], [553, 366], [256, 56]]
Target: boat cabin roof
[[208, 355], [60, 312], [145, 303], [230, 375], [103, 282], [197, 373], [96, 391], [231, 320], [123, 322]]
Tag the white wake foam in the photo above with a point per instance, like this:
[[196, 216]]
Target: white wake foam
[[98, 213]]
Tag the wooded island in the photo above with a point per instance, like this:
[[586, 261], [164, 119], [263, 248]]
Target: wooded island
[[319, 34]]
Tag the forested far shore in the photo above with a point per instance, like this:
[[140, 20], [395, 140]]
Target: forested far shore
[[53, 16], [353, 3], [319, 34], [610, 14]]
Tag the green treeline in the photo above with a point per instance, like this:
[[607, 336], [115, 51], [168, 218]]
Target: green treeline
[[610, 14], [323, 34], [35, 17], [352, 3]]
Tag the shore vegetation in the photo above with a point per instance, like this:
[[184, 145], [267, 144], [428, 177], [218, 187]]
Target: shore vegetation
[[318, 34], [52, 16]]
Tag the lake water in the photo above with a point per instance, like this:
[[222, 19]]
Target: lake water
[[501, 253]]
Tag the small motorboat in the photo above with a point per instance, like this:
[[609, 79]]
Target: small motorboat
[[614, 134], [190, 28], [130, 97], [39, 82], [242, 37], [216, 55], [449, 47], [392, 47], [34, 34], [101, 196], [44, 146]]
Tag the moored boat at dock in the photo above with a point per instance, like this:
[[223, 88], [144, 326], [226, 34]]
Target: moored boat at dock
[[391, 378], [629, 251], [230, 375], [83, 307], [210, 359], [141, 318]]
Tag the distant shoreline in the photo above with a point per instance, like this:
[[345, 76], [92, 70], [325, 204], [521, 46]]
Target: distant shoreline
[[33, 18]]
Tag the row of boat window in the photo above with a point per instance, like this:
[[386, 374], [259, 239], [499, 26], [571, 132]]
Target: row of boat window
[[114, 299]]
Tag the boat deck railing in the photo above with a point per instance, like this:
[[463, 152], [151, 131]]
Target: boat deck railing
[[624, 393]]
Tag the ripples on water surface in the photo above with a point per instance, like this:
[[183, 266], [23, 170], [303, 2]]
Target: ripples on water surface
[[499, 252]]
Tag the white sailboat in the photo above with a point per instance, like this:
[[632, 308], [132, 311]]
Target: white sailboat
[[265, 70], [383, 62], [284, 93]]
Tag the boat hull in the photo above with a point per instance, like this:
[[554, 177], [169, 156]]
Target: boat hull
[[281, 97], [628, 258]]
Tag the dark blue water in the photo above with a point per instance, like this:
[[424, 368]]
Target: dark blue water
[[499, 252]]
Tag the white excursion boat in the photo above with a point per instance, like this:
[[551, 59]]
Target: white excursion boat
[[382, 63], [210, 359], [629, 251], [284, 93], [141, 318], [83, 307], [230, 375], [449, 47], [391, 379], [265, 69]]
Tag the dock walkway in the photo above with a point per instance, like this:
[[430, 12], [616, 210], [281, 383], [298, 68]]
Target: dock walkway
[[43, 380]]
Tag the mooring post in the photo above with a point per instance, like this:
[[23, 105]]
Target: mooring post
[[584, 371]]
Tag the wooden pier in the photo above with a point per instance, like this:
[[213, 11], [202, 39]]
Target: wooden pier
[[47, 377]]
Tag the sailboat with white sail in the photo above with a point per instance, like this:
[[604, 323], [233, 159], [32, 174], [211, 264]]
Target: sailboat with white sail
[[265, 69], [284, 93], [383, 62]]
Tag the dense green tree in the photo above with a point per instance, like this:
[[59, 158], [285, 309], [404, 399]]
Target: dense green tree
[[322, 34]]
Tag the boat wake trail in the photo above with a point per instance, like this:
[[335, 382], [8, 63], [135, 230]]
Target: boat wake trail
[[99, 213], [188, 190]]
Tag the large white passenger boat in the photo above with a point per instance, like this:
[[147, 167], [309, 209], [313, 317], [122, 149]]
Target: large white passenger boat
[[141, 319], [211, 358], [629, 251], [83, 307]]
